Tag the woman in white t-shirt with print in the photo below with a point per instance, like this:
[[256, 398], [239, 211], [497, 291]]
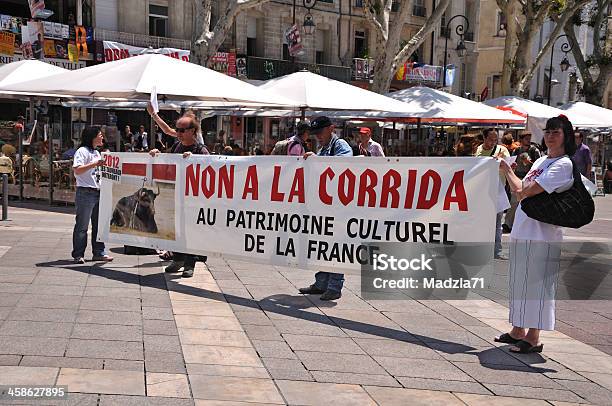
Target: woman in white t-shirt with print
[[87, 161], [535, 247]]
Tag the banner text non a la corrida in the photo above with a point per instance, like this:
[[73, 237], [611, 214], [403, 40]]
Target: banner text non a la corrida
[[321, 212]]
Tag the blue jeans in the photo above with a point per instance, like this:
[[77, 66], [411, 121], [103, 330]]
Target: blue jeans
[[498, 234], [329, 281], [87, 204]]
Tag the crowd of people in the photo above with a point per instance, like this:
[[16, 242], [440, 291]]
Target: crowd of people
[[534, 249]]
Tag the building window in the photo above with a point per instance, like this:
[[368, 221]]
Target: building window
[[252, 49], [419, 9], [501, 25], [286, 55], [444, 33], [359, 3], [395, 5], [158, 20], [321, 37], [361, 45]]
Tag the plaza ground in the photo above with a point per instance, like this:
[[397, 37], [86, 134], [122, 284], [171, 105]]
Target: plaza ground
[[125, 333]]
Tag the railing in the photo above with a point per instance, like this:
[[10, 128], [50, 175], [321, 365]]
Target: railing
[[419, 11], [265, 69], [140, 40]]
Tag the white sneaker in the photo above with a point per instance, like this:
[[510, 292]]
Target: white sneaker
[[79, 260]]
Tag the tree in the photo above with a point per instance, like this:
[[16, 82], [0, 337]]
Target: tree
[[595, 16], [388, 27], [524, 19], [206, 41]]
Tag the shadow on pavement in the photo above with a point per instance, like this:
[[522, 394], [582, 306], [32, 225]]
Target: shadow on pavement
[[292, 306]]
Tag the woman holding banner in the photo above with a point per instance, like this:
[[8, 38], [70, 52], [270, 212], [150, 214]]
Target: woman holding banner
[[187, 129], [535, 247]]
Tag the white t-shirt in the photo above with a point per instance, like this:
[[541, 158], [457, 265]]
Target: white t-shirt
[[90, 178], [553, 175]]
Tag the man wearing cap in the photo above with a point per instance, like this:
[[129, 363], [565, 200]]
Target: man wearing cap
[[369, 147], [328, 284]]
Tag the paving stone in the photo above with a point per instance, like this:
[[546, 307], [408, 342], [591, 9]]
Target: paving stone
[[20, 345], [391, 348], [322, 361], [317, 393], [122, 304], [262, 333], [592, 392], [422, 368], [167, 385], [168, 362], [109, 317], [51, 279], [228, 370], [124, 365], [36, 329], [224, 338], [104, 349], [322, 344], [207, 322], [488, 400], [133, 292], [49, 301], [584, 362], [110, 382], [534, 393], [257, 318], [304, 327], [4, 312], [161, 343], [291, 374], [156, 300], [443, 385], [17, 375], [604, 380], [205, 354], [355, 379], [70, 290], [61, 362], [160, 327], [502, 374], [157, 313], [201, 309], [273, 349], [235, 389], [40, 314], [399, 396], [110, 332], [114, 400], [10, 360]]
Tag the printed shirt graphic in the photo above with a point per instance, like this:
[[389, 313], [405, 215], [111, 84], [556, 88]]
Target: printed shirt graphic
[[553, 175], [90, 178]]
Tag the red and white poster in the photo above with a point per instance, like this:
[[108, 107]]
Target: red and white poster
[[224, 62], [294, 40], [114, 51], [319, 212], [36, 7]]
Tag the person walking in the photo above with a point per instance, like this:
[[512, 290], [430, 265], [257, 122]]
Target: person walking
[[187, 128], [327, 284], [582, 158], [87, 161], [490, 148], [367, 146], [535, 247]]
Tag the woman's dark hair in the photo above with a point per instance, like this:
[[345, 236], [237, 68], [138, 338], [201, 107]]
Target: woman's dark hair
[[507, 139], [88, 135], [563, 123]]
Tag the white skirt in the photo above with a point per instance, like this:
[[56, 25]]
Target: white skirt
[[533, 276]]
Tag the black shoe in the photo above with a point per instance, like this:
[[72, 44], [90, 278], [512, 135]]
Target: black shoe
[[311, 290], [331, 295], [175, 266], [187, 271]]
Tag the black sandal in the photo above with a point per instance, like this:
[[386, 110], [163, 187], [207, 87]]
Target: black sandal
[[506, 338], [525, 347]]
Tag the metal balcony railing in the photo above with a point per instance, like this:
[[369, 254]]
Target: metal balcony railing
[[265, 69], [419, 11], [140, 40]]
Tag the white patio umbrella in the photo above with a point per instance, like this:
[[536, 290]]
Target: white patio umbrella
[[600, 115], [138, 77], [315, 92], [25, 70]]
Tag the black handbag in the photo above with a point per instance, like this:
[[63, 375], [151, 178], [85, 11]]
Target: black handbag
[[573, 208]]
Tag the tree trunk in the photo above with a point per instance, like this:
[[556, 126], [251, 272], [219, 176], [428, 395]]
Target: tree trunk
[[509, 10]]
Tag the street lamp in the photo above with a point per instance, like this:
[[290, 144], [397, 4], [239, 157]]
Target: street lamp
[[564, 65], [461, 49], [308, 24]]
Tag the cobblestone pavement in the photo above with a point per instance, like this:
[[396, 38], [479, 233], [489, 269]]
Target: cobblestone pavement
[[239, 334]]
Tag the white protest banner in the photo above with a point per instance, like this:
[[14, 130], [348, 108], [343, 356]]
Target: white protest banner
[[319, 212], [114, 51]]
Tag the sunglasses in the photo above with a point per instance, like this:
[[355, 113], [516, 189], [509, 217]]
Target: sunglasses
[[182, 130]]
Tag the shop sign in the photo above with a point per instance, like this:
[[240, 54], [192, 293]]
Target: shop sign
[[7, 43], [418, 73], [114, 51], [224, 62], [62, 63]]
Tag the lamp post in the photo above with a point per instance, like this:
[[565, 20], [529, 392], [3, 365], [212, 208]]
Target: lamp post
[[308, 24], [461, 49], [564, 65]]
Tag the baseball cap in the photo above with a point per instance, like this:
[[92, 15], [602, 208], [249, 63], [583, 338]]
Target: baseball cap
[[365, 130], [319, 123]]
